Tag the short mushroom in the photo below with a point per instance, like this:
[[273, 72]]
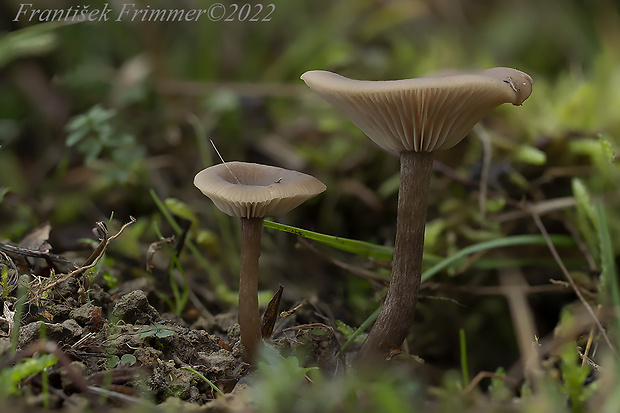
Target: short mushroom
[[250, 192], [414, 117]]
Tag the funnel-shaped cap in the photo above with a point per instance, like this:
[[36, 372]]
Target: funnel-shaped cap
[[424, 114], [249, 190]]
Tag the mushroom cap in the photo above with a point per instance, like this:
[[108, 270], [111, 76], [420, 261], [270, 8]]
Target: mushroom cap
[[423, 114], [249, 190]]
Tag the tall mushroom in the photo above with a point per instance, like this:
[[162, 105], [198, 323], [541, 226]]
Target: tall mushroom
[[414, 117], [250, 192]]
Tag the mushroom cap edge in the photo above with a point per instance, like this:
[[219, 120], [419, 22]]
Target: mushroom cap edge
[[250, 190]]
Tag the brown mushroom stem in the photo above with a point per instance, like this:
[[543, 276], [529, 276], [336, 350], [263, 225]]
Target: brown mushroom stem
[[249, 317], [396, 316]]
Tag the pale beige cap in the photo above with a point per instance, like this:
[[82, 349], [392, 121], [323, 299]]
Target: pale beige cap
[[249, 190], [424, 114]]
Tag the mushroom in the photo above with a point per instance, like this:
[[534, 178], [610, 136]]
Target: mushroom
[[414, 117], [250, 192]]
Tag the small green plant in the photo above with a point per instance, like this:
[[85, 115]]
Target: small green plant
[[217, 283], [180, 297], [349, 332], [281, 380], [286, 385], [10, 377], [157, 330], [359, 333], [7, 281], [206, 380], [498, 389], [574, 376], [125, 359], [95, 135]]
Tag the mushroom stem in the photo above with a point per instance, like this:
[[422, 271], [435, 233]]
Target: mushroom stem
[[396, 316], [249, 324]]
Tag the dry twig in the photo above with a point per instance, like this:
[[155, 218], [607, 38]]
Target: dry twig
[[570, 279], [90, 263]]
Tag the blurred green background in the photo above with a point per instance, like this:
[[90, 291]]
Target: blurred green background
[[93, 115]]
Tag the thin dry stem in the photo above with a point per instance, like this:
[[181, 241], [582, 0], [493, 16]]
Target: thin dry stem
[[586, 352], [224, 162], [515, 288], [92, 261], [488, 375], [558, 259], [373, 278]]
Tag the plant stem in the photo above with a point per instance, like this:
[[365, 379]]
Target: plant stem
[[249, 317], [396, 316]]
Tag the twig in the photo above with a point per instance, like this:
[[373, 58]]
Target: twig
[[120, 397], [570, 279], [555, 286], [95, 257], [541, 207], [514, 285], [590, 339], [373, 278], [488, 375], [26, 252], [583, 248], [567, 285]]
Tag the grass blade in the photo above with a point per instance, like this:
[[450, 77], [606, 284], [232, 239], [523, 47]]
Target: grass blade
[[369, 249], [360, 330], [558, 240], [345, 244], [209, 382], [464, 367], [215, 279], [609, 276]]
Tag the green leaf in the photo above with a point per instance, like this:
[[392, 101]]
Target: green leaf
[[357, 247], [148, 333], [574, 376], [33, 40], [209, 382], [182, 210], [76, 136], [498, 390], [385, 253], [586, 220], [128, 359], [157, 330], [164, 333], [11, 376], [531, 155], [347, 331], [112, 361]]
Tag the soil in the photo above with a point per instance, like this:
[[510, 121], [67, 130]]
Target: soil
[[115, 349]]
